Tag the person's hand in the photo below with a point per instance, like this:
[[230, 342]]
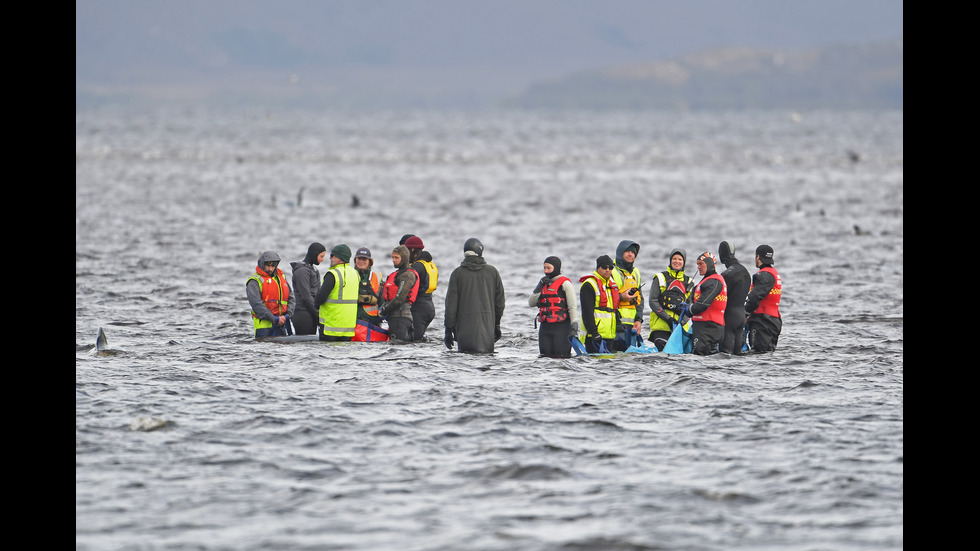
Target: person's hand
[[544, 281], [685, 318], [496, 333], [597, 341], [573, 331], [664, 315], [280, 320], [450, 337], [383, 311]]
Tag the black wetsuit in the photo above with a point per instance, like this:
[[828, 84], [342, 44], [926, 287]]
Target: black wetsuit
[[738, 280]]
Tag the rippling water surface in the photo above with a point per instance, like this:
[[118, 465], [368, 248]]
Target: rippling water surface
[[191, 435]]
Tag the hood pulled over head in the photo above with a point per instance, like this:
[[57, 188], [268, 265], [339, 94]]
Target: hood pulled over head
[[402, 250], [313, 252]]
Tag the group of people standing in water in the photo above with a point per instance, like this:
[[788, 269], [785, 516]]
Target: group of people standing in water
[[612, 302], [605, 312], [350, 302]]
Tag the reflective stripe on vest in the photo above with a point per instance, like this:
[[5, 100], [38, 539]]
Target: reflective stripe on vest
[[716, 311], [657, 324], [375, 284], [605, 316], [769, 304], [338, 314], [275, 296]]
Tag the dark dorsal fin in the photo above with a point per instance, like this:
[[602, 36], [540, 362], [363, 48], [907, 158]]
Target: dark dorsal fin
[[102, 342]]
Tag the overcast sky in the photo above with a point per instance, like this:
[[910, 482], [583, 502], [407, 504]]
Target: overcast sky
[[496, 46]]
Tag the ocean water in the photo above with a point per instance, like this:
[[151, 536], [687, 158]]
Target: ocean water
[[189, 434]]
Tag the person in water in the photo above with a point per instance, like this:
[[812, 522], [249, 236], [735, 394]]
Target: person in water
[[423, 309], [599, 297], [306, 282], [765, 323], [400, 291], [738, 281], [368, 298], [268, 295], [708, 307], [558, 314], [669, 298], [474, 302], [627, 277], [337, 297]]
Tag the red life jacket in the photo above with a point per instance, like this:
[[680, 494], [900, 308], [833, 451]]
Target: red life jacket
[[552, 307], [769, 304], [391, 288], [603, 301], [715, 312], [275, 291]]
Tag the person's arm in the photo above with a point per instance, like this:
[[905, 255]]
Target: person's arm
[[324, 293], [709, 290], [499, 302], [406, 281], [254, 295], [587, 294], [449, 321], [532, 300], [762, 283]]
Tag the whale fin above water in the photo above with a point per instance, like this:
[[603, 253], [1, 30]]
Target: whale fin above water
[[101, 343]]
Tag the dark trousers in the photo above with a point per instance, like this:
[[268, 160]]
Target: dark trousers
[[764, 332], [734, 331], [707, 336], [423, 312], [401, 328], [305, 323], [331, 338], [553, 339]]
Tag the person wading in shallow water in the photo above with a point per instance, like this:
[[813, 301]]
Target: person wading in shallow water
[[765, 323], [423, 309], [599, 297], [708, 307], [306, 282], [669, 297], [738, 281], [557, 304], [474, 302], [400, 291], [337, 297], [268, 295]]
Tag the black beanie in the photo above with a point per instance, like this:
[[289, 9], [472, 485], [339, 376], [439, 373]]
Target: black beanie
[[604, 259], [556, 262], [313, 252], [405, 238]]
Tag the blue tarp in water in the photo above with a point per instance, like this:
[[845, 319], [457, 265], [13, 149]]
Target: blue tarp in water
[[680, 341]]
